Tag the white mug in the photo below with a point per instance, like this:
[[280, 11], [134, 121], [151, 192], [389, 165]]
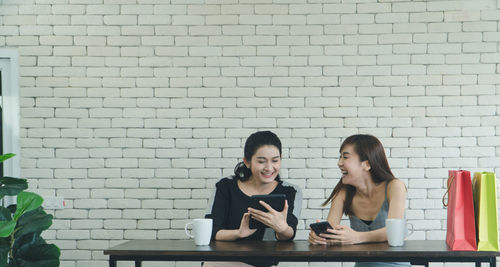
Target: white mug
[[397, 231], [202, 230]]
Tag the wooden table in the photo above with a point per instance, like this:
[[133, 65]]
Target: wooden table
[[414, 251]]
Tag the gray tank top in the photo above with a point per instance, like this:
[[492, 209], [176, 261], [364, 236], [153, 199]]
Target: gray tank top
[[379, 222]]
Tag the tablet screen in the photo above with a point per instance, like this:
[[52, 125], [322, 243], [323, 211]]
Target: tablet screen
[[276, 201]]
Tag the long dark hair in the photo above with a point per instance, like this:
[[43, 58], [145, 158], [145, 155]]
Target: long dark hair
[[368, 147], [254, 142]]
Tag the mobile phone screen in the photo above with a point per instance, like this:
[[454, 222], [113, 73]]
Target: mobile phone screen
[[320, 227]]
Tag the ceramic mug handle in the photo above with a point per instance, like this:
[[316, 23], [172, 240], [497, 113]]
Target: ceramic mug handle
[[186, 230], [409, 229]]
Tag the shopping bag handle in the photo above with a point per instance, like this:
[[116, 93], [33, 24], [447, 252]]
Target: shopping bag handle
[[448, 183]]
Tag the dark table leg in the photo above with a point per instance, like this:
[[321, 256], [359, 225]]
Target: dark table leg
[[493, 262], [112, 262], [138, 263], [478, 264]]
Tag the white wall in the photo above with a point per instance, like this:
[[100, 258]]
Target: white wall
[[132, 109]]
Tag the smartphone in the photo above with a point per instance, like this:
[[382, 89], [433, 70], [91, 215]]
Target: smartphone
[[320, 227], [276, 201]]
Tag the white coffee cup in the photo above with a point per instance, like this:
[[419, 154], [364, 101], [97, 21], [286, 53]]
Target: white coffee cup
[[397, 231], [202, 230]]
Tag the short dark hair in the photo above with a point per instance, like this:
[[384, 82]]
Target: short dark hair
[[254, 142]]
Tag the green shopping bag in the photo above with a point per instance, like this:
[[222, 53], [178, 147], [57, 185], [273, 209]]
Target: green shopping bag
[[485, 206]]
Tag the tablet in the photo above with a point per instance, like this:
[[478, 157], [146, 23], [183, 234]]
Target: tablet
[[276, 201], [320, 227]]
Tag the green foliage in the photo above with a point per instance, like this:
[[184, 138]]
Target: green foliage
[[6, 157], [12, 186], [21, 225]]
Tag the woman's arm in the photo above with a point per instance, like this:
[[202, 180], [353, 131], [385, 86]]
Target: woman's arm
[[396, 196], [227, 235], [336, 209], [243, 231], [334, 217], [219, 212]]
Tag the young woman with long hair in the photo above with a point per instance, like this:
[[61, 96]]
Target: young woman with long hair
[[368, 193]]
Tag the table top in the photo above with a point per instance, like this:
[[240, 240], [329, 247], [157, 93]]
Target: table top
[[290, 251]]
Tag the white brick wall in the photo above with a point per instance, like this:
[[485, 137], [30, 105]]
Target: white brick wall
[[131, 110]]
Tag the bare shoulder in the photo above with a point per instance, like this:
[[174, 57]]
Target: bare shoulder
[[396, 187]]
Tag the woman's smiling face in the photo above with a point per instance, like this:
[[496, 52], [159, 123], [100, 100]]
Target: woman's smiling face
[[265, 164], [351, 166]]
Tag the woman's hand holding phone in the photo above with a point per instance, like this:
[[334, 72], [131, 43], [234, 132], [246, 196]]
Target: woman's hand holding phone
[[343, 235], [338, 235], [317, 230], [320, 227]]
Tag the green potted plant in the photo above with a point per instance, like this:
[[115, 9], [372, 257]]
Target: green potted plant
[[21, 226]]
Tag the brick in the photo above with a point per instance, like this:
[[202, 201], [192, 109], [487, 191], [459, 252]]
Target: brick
[[406, 152], [460, 163], [394, 122], [409, 132], [194, 71], [479, 26], [138, 214], [106, 234], [208, 113], [323, 19], [374, 112], [341, 29], [73, 234], [444, 27], [360, 39], [426, 16], [357, 19], [87, 19], [478, 131], [465, 37], [461, 15]]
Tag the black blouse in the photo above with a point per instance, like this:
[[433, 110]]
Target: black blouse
[[230, 203]]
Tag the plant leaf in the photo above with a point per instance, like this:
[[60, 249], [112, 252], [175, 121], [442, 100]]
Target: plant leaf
[[12, 208], [40, 263], [33, 221], [27, 201], [5, 214], [27, 241], [7, 225], [12, 180], [4, 250], [32, 250], [10, 186], [39, 255], [6, 157], [42, 252], [6, 228]]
